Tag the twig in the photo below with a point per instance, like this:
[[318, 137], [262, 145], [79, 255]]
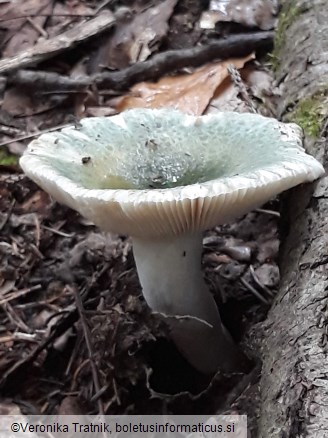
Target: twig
[[18, 367], [237, 391], [254, 291], [51, 47], [87, 337], [117, 397], [241, 88], [163, 63], [37, 27], [72, 358], [97, 395], [15, 319], [35, 134], [9, 130], [77, 372], [19, 293], [58, 232], [257, 281], [20, 17], [265, 211], [102, 5], [18, 336], [7, 215]]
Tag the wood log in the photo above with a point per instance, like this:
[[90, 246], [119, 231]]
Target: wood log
[[294, 384]]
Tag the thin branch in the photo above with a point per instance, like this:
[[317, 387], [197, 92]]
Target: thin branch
[[24, 16], [241, 88], [18, 293], [254, 291], [35, 134], [249, 379], [87, 337], [163, 63], [19, 368], [49, 48]]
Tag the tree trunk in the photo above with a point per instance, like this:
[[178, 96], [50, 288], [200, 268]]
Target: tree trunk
[[294, 383]]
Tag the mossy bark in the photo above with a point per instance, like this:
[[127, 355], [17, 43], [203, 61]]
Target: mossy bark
[[294, 383]]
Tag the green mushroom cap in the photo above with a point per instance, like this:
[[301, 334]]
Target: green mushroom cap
[[165, 172]]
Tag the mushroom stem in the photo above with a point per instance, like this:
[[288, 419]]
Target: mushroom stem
[[170, 275]]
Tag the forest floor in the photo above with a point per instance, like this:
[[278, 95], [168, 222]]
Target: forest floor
[[75, 333]]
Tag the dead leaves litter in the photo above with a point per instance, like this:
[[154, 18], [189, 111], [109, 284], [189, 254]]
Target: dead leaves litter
[[190, 93], [138, 36], [250, 13]]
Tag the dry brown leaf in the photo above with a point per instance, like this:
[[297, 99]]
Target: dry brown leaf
[[268, 274], [64, 14], [39, 202], [226, 97], [99, 111], [6, 286], [135, 39], [190, 93], [22, 33], [18, 104], [9, 408], [251, 13], [47, 48], [149, 28], [70, 406]]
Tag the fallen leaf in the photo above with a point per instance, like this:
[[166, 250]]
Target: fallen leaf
[[190, 93], [226, 97], [8, 408], [268, 250], [22, 33], [149, 29], [6, 287], [268, 275], [70, 406], [39, 202], [99, 111], [135, 39], [66, 13], [18, 104], [250, 13]]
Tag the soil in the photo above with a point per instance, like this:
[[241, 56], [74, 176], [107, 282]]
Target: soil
[[76, 335], [49, 254]]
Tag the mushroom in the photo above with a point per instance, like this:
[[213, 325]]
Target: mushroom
[[163, 177]]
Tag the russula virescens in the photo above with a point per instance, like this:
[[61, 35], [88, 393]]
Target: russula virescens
[[163, 177]]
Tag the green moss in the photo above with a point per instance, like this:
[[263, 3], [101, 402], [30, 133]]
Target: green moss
[[287, 17], [7, 159], [310, 113]]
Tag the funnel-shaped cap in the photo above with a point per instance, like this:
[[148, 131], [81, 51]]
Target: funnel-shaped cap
[[151, 173]]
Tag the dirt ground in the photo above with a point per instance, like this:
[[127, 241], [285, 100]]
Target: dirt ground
[[75, 333]]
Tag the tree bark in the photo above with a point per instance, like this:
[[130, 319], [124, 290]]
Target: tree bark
[[294, 385]]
